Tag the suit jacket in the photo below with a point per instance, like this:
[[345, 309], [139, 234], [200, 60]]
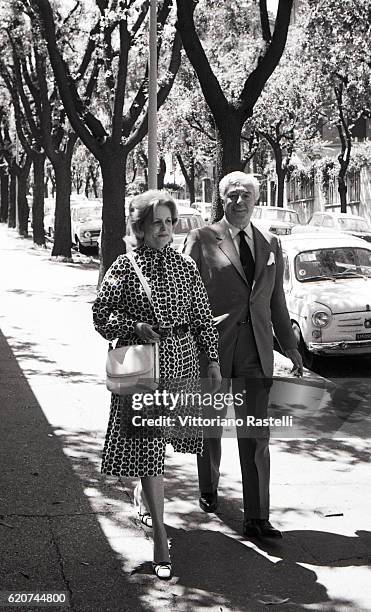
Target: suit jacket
[[231, 297]]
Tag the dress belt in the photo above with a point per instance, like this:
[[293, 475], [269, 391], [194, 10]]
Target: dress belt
[[176, 330]]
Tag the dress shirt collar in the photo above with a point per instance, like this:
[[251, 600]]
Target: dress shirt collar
[[235, 230]]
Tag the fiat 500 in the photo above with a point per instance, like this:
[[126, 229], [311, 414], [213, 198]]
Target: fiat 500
[[86, 224], [327, 283]]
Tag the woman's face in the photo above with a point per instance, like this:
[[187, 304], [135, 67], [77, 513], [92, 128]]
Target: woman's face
[[158, 231]]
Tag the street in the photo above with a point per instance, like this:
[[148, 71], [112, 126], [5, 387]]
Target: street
[[73, 530]]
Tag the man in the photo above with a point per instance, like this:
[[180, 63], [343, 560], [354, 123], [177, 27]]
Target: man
[[242, 269]]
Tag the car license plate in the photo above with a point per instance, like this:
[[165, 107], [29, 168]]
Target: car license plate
[[363, 336]]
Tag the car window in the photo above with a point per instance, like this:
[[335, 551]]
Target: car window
[[332, 263], [187, 223], [88, 213], [280, 214], [364, 261], [355, 225]]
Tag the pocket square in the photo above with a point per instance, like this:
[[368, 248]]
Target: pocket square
[[271, 259]]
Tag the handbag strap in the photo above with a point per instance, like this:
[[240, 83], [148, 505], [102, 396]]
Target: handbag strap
[[139, 273]]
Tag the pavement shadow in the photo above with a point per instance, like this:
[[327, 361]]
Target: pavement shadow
[[27, 351], [81, 293], [321, 548], [210, 568], [243, 579], [50, 537], [321, 408], [328, 449], [215, 568]]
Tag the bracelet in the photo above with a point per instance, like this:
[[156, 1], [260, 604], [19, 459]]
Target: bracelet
[[213, 364]]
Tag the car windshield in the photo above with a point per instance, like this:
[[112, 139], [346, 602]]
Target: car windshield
[[280, 214], [338, 262], [89, 212], [187, 223], [355, 225]]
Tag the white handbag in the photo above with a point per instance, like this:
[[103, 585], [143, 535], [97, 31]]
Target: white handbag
[[134, 368]]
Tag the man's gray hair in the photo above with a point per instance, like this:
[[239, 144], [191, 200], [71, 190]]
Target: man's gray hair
[[237, 179]]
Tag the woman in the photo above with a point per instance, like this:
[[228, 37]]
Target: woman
[[181, 321]]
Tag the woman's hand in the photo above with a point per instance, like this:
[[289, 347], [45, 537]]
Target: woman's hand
[[146, 332], [214, 376]]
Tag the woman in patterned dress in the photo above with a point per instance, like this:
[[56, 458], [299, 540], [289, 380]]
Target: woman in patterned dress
[[181, 321]]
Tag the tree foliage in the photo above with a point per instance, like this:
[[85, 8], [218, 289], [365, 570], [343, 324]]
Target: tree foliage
[[338, 49], [253, 59]]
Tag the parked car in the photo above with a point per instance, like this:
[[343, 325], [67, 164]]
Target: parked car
[[188, 219], [49, 217], [86, 223], [275, 219], [343, 222], [327, 283], [204, 208]]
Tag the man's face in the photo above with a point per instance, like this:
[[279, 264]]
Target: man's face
[[238, 204]]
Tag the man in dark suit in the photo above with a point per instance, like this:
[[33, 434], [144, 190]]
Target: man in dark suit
[[242, 269]]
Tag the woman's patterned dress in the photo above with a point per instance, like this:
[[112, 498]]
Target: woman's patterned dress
[[179, 298]]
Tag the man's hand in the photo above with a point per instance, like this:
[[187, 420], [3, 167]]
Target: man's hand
[[297, 361], [146, 333], [214, 376]]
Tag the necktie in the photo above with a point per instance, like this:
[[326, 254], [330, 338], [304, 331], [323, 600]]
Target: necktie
[[246, 258]]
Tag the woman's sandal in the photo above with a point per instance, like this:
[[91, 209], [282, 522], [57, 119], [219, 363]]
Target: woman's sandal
[[162, 570], [145, 518]]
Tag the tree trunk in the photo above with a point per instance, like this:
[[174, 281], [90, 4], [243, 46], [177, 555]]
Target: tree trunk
[[12, 200], [23, 211], [192, 187], [343, 159], [280, 186], [62, 225], [95, 186], [87, 183], [161, 173], [38, 199], [4, 194], [189, 175], [228, 156], [94, 180], [113, 230], [342, 189]]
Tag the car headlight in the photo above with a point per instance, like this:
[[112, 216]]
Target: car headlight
[[87, 234], [321, 318]]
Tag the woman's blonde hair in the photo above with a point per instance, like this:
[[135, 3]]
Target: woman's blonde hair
[[143, 207]]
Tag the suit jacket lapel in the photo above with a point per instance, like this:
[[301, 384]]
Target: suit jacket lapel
[[226, 244], [262, 251]]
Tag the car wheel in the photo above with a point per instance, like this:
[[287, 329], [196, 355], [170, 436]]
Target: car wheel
[[308, 357]]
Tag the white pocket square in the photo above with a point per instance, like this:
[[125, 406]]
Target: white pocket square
[[271, 259]]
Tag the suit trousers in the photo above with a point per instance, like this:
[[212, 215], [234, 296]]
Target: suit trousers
[[253, 442]]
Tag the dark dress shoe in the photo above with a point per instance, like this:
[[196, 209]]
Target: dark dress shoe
[[208, 501], [251, 528], [267, 530]]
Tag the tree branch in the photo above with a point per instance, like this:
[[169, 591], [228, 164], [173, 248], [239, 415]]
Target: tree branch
[[258, 78], [264, 21], [162, 94], [210, 86], [88, 128], [118, 106]]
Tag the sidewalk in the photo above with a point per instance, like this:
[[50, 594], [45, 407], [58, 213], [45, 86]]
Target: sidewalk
[[63, 527]]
